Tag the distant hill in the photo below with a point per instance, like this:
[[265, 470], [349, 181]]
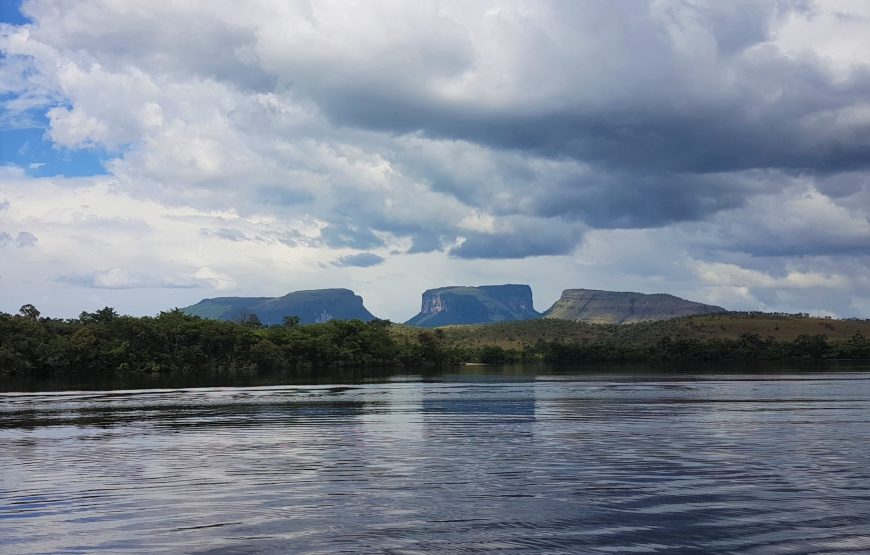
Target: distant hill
[[475, 305], [319, 305], [704, 327], [613, 307]]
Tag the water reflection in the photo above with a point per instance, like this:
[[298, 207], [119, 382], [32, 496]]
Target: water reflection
[[477, 374], [522, 462]]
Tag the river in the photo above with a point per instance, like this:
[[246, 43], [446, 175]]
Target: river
[[482, 460]]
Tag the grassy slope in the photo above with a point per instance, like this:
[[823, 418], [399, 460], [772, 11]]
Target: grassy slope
[[714, 326]]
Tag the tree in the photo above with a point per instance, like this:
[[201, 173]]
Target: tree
[[810, 346], [291, 321], [29, 311], [493, 354], [432, 348], [102, 316]]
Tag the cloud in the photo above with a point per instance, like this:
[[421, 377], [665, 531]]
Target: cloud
[[119, 278], [732, 275], [226, 233], [25, 239], [11, 171], [689, 94], [660, 87], [294, 238], [425, 242], [797, 221], [624, 141], [361, 260], [519, 238], [349, 235]]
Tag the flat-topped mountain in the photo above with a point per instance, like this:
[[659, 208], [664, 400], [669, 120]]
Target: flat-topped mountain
[[318, 305], [475, 305], [615, 307]]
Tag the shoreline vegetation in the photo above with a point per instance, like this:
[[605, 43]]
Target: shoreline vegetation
[[104, 342]]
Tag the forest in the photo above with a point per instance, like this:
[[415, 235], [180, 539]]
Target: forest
[[106, 342]]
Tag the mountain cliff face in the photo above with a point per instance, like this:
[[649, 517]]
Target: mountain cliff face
[[613, 307], [475, 305], [319, 305]]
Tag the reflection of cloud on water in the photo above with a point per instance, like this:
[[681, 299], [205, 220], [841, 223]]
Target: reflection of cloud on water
[[548, 466], [390, 432], [480, 454]]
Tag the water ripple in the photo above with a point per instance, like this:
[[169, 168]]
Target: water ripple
[[550, 465]]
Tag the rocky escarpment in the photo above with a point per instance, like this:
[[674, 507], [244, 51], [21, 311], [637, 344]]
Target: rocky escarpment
[[319, 305], [475, 305], [614, 307]]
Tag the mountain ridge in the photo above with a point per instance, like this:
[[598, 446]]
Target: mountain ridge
[[461, 304], [458, 305], [623, 307], [311, 306]]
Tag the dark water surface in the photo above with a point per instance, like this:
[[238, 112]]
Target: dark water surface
[[479, 461]]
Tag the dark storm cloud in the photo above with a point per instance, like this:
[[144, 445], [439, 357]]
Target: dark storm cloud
[[639, 102], [666, 130], [806, 128], [625, 199], [361, 260]]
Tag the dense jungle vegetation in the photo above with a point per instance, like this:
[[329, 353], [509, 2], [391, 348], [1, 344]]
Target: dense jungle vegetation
[[106, 342]]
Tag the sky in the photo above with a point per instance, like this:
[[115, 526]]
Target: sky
[[156, 153]]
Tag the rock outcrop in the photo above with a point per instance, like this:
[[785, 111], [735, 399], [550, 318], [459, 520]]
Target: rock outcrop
[[614, 307], [475, 305], [319, 305]]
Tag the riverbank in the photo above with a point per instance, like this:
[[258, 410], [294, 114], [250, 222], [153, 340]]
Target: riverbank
[[104, 342]]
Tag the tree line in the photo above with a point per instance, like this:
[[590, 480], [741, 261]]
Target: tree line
[[106, 342]]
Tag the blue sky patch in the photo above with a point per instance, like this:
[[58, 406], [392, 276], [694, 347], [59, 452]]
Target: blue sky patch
[[10, 12], [28, 147]]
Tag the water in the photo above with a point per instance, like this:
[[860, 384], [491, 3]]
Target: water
[[464, 463]]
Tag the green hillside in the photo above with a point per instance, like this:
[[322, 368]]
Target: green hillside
[[726, 326]]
